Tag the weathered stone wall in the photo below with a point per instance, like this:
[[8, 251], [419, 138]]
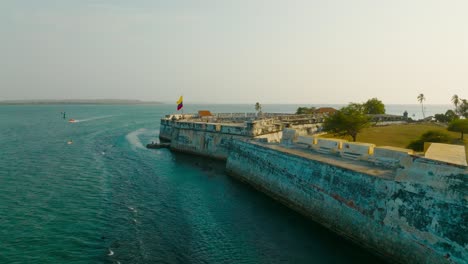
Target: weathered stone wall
[[246, 124], [415, 214], [211, 144], [165, 130], [210, 139], [306, 129]]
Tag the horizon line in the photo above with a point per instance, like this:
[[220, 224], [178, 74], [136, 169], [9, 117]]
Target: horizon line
[[193, 102]]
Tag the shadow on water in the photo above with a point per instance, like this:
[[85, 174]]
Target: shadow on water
[[210, 167], [275, 227]]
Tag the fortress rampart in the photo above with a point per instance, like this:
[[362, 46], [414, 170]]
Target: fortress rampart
[[413, 212], [404, 207], [209, 136]]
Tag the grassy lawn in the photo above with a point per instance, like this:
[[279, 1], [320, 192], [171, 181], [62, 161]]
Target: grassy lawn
[[402, 135]]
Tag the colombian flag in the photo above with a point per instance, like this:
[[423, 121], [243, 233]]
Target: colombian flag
[[180, 104]]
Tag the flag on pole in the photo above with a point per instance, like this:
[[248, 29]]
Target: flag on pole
[[180, 104]]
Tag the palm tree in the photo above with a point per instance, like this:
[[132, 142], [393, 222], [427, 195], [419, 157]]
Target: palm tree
[[455, 100], [421, 98], [258, 107], [463, 108]]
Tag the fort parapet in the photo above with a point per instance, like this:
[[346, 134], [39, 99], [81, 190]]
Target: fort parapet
[[210, 136]]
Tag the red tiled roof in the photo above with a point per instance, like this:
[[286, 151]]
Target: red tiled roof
[[323, 110], [203, 113]]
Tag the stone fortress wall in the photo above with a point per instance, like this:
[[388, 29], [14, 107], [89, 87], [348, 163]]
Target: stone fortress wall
[[210, 136], [404, 207]]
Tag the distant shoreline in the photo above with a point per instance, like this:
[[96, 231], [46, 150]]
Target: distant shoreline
[[78, 101]]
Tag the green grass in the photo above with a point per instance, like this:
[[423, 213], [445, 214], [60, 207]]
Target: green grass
[[401, 135]]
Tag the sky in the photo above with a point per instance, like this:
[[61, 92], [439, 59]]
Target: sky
[[235, 51]]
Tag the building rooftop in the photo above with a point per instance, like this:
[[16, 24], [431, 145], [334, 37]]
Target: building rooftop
[[323, 110]]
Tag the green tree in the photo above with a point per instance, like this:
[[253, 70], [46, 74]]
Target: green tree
[[305, 110], [448, 117], [429, 136], [461, 106], [459, 125], [440, 118], [258, 107], [374, 107], [348, 121], [462, 109], [421, 98], [455, 100]]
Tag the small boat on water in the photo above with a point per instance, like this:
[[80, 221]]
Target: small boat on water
[[72, 120], [153, 145]]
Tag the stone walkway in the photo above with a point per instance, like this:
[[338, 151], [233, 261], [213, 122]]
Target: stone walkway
[[360, 166], [449, 153]]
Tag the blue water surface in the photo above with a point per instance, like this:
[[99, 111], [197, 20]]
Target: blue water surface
[[105, 198]]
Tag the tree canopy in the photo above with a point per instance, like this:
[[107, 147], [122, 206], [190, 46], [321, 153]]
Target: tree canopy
[[348, 121], [461, 106], [459, 125], [258, 107], [305, 110], [456, 100], [448, 117], [429, 136], [374, 107]]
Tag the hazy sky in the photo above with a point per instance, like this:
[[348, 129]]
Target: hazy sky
[[235, 51]]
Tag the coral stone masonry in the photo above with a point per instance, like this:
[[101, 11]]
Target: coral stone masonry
[[404, 207]]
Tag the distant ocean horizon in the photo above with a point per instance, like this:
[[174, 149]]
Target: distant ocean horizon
[[414, 110]]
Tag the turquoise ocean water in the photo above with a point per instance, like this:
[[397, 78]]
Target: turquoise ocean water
[[107, 199]]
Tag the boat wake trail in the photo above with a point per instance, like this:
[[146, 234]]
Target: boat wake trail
[[133, 139], [92, 118]]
